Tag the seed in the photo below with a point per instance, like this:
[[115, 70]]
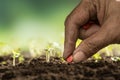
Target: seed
[[70, 59]]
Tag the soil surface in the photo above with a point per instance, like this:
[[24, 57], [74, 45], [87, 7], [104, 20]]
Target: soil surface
[[38, 69]]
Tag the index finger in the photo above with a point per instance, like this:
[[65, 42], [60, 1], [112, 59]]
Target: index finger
[[79, 16]]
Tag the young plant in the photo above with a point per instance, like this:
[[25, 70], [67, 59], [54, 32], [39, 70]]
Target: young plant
[[97, 57], [47, 55], [52, 50], [62, 60], [57, 48], [21, 58], [115, 58], [17, 54]]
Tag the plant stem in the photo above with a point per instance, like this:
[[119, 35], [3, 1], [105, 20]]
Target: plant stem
[[13, 61], [107, 52], [47, 56]]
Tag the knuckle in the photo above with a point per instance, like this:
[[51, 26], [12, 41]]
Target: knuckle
[[90, 44], [68, 20], [91, 48]]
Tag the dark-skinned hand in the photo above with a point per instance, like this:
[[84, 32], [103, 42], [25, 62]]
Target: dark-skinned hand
[[105, 30]]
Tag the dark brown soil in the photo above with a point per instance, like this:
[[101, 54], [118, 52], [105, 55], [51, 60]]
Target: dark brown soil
[[38, 69]]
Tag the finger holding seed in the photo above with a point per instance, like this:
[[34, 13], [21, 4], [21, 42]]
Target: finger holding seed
[[107, 13]]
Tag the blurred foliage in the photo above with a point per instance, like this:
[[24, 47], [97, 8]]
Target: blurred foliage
[[5, 49], [22, 20]]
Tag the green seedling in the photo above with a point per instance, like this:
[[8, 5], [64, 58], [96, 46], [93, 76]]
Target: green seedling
[[56, 49], [21, 59], [62, 59], [97, 56], [3, 63], [107, 49], [47, 55], [52, 50], [115, 58], [17, 54]]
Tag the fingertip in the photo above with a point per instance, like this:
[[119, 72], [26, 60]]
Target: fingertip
[[64, 56], [79, 56]]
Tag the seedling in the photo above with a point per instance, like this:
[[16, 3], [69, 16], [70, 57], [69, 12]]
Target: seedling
[[54, 50], [17, 54], [47, 55], [21, 58], [62, 60], [115, 58], [97, 56]]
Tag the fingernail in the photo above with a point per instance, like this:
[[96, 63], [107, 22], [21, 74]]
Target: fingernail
[[87, 26], [70, 59], [79, 56]]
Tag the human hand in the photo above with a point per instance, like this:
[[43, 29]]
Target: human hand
[[105, 30]]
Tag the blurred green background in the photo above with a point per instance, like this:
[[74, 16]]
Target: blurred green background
[[24, 20]]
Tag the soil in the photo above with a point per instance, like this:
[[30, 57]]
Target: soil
[[38, 69]]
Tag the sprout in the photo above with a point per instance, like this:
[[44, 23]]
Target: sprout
[[16, 54], [52, 49], [62, 60], [52, 52], [47, 55], [55, 49], [21, 59], [97, 56], [108, 53], [115, 58]]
